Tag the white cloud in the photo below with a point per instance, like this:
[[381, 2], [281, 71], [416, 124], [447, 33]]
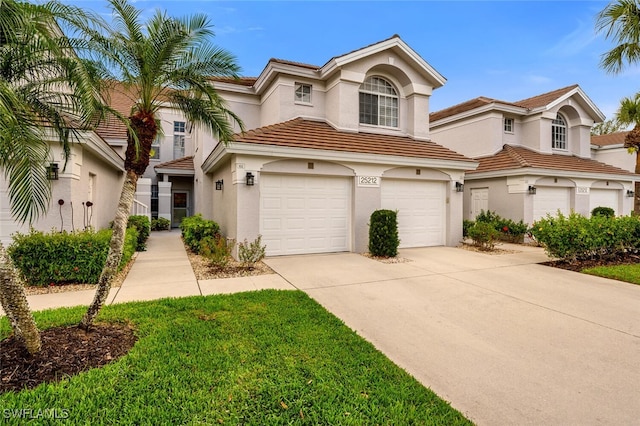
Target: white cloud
[[574, 42]]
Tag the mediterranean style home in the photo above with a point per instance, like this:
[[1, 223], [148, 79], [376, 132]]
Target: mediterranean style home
[[325, 146], [535, 156]]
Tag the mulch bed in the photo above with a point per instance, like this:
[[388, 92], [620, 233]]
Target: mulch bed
[[66, 351], [579, 265]]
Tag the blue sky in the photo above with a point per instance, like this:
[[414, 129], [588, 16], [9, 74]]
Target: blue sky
[[508, 50]]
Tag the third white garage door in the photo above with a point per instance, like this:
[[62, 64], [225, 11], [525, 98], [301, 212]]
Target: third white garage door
[[304, 214], [421, 210]]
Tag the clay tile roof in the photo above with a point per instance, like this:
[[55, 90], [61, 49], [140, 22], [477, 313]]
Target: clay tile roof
[[529, 103], [184, 163], [242, 81], [463, 107], [309, 134], [515, 157], [120, 99], [297, 64], [545, 98], [609, 139]]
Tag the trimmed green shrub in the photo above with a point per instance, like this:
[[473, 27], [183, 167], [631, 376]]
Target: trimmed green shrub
[[217, 250], [160, 224], [66, 257], [195, 229], [383, 233], [143, 226], [251, 253], [576, 237], [603, 211], [466, 224], [483, 235]]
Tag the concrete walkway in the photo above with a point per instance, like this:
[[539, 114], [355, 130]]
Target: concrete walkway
[[163, 270], [506, 341]]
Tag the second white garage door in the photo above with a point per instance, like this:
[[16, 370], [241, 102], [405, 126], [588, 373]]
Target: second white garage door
[[421, 210], [305, 214], [550, 200]]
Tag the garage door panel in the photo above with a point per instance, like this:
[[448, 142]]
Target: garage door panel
[[548, 200], [421, 210], [601, 197], [314, 213]]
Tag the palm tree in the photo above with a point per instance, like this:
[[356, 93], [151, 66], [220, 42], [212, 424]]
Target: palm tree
[[45, 94], [620, 21], [162, 61], [629, 114]]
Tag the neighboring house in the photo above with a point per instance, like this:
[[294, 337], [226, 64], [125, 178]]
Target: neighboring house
[[535, 156], [83, 191], [325, 146], [609, 148]]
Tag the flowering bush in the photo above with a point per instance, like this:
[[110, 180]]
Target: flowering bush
[[483, 235], [576, 237], [507, 229]]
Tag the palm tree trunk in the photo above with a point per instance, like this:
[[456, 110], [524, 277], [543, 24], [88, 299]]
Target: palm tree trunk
[[15, 305], [116, 246]]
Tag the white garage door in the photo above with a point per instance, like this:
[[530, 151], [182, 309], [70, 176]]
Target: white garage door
[[304, 214], [600, 197], [8, 225], [421, 210], [550, 200]]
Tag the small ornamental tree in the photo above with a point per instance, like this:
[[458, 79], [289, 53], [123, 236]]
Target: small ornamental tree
[[383, 233]]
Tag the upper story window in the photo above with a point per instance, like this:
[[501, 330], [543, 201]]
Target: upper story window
[[559, 133], [508, 125], [155, 149], [303, 93], [179, 134], [378, 103]]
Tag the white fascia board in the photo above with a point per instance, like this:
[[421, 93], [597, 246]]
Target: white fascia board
[[334, 156], [103, 150], [274, 68], [494, 106], [605, 147], [174, 172], [336, 63], [552, 173], [230, 87]]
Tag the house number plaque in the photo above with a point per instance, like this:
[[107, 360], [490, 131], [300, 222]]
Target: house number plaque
[[582, 190], [373, 181]]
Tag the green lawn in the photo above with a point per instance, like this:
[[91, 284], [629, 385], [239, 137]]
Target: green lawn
[[628, 273], [259, 358]]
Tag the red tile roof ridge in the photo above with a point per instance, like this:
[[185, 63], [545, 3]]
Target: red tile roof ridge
[[513, 153], [297, 64], [616, 138], [545, 98], [183, 161]]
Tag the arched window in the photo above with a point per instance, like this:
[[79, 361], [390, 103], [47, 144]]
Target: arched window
[[559, 133], [378, 103]]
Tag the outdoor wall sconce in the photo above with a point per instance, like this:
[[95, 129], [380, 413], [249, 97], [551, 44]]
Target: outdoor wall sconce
[[459, 187], [630, 193], [52, 171], [531, 190], [250, 179], [219, 184]]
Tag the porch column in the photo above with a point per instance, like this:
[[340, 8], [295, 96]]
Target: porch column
[[164, 200]]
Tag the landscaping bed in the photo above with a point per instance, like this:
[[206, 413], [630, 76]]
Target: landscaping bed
[[581, 265]]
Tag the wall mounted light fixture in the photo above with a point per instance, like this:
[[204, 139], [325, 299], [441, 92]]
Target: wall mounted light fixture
[[630, 193], [219, 184], [459, 187], [531, 190], [250, 179], [52, 171]]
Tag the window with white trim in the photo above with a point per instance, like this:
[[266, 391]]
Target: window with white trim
[[179, 134], [303, 93], [155, 149], [559, 133], [508, 125], [378, 103]]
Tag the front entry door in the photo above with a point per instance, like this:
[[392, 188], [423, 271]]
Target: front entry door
[[180, 207], [479, 201]]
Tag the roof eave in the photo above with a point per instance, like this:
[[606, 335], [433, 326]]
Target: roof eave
[[221, 152], [550, 172]]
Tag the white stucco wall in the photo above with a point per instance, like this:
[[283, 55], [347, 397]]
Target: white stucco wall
[[618, 157]]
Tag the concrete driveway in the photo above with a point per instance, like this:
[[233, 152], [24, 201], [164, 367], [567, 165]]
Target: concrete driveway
[[506, 341]]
